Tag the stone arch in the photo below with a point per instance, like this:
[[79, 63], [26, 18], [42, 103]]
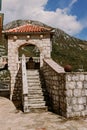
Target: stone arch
[[44, 45], [30, 51], [39, 48], [29, 43]]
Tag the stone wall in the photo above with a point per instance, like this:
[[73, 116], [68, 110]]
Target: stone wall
[[67, 92], [76, 94], [17, 91], [55, 86]]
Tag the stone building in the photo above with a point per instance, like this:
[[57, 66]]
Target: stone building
[[67, 91], [22, 36]]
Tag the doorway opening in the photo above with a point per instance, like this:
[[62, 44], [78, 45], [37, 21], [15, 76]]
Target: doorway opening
[[32, 55]]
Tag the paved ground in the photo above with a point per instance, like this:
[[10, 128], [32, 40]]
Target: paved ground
[[11, 119]]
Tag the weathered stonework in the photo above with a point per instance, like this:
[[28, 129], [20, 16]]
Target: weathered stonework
[[77, 101], [43, 44], [55, 84], [67, 91]]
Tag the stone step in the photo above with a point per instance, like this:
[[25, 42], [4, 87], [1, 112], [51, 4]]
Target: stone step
[[33, 84], [33, 80], [35, 96], [38, 109], [33, 72], [36, 105], [35, 91], [33, 77], [36, 101], [34, 88]]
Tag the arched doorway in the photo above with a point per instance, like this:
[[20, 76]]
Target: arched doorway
[[32, 55], [23, 36]]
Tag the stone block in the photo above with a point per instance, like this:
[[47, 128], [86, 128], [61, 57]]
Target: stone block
[[68, 115], [86, 92], [85, 84], [79, 85], [75, 77], [68, 77], [83, 92], [68, 101], [75, 108], [83, 113], [69, 93], [69, 109], [77, 92], [70, 85], [81, 100], [74, 100], [85, 77], [82, 77], [80, 107], [77, 114]]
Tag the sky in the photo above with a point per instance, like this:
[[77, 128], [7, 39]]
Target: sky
[[68, 15]]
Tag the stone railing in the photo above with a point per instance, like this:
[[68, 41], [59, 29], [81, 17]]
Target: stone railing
[[67, 91], [24, 86], [55, 86]]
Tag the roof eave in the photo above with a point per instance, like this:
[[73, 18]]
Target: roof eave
[[26, 33]]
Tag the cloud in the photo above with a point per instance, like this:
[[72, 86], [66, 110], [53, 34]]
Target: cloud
[[70, 6], [72, 3], [84, 22], [35, 10]]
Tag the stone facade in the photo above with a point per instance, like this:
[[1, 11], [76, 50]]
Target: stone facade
[[67, 91], [55, 86], [17, 91], [76, 94], [43, 44]]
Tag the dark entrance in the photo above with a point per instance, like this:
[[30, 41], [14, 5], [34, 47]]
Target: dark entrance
[[32, 55], [31, 64]]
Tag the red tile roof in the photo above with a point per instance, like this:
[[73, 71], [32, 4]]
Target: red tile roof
[[28, 28]]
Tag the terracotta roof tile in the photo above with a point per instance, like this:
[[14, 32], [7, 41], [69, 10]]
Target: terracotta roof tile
[[28, 28]]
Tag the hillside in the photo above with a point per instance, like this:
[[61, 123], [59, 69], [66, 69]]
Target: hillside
[[66, 49], [69, 50]]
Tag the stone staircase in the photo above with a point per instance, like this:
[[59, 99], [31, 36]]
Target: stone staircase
[[35, 95]]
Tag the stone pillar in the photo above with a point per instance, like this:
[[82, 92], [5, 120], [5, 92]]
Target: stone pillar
[[12, 63], [41, 59]]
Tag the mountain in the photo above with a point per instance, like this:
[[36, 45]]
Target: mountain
[[69, 50], [65, 48]]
